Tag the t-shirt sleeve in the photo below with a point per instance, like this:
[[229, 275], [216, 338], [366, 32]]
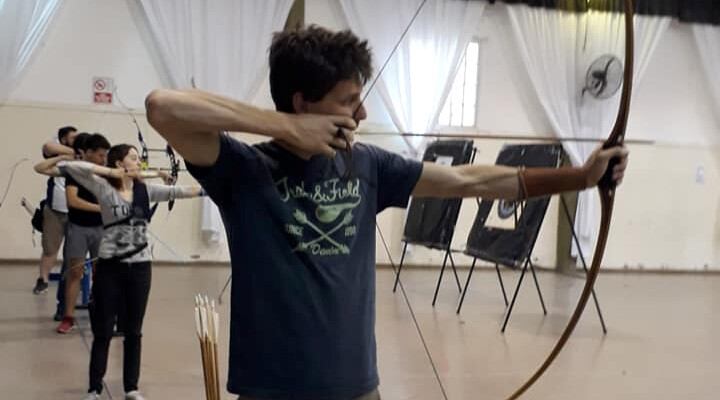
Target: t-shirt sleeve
[[396, 177], [82, 173], [160, 192], [237, 163]]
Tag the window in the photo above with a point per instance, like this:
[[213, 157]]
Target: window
[[460, 109]]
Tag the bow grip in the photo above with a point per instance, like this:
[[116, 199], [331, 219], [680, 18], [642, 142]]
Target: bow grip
[[607, 181]]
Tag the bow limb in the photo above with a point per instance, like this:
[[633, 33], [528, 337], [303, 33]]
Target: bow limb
[[174, 170], [606, 189], [145, 151], [144, 154], [12, 169]]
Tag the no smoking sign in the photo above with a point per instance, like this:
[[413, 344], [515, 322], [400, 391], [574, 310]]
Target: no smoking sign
[[103, 89]]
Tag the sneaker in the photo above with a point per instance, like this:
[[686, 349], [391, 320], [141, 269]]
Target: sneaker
[[40, 286], [92, 396], [57, 317], [134, 395], [66, 325]]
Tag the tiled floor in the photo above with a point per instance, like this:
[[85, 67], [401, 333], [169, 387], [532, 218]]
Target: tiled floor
[[662, 340]]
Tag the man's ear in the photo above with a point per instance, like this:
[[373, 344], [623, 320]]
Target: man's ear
[[299, 103]]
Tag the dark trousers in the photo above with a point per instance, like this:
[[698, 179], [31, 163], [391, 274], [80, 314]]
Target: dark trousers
[[374, 395], [117, 285], [60, 295]]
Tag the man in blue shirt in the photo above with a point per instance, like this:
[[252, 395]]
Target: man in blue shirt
[[299, 212]]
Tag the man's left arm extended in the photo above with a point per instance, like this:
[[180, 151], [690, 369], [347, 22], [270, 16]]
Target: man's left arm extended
[[503, 182]]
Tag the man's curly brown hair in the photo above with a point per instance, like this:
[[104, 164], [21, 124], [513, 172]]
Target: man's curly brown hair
[[312, 60]]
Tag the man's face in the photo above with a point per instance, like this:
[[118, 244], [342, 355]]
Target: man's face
[[343, 99], [98, 156]]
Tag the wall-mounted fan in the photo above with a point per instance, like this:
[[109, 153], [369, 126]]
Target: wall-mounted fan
[[604, 77]]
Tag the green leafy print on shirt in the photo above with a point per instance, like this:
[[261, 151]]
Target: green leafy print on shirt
[[328, 230]]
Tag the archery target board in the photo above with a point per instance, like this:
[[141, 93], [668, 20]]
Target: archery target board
[[504, 232], [431, 221]]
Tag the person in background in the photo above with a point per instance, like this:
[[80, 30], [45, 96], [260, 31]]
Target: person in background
[[123, 271], [84, 228], [55, 208], [79, 148]]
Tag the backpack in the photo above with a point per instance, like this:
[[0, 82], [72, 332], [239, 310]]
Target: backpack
[[37, 218]]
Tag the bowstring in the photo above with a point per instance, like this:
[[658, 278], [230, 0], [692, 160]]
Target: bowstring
[[347, 152], [412, 313], [12, 169], [347, 159]]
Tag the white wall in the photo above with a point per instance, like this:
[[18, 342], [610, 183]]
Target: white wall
[[89, 38], [663, 217]]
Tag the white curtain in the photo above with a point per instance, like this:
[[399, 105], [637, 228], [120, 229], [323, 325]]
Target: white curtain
[[23, 24], [420, 74], [707, 38], [222, 45], [557, 47]]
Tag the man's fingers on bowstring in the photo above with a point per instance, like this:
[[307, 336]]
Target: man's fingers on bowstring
[[344, 122], [338, 143], [347, 134], [328, 151], [343, 138]]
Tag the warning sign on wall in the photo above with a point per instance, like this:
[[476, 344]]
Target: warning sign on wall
[[103, 89]]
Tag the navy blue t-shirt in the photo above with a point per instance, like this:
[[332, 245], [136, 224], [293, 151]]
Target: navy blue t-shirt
[[302, 248]]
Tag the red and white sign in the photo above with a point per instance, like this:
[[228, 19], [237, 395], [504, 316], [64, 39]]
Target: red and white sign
[[103, 89]]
